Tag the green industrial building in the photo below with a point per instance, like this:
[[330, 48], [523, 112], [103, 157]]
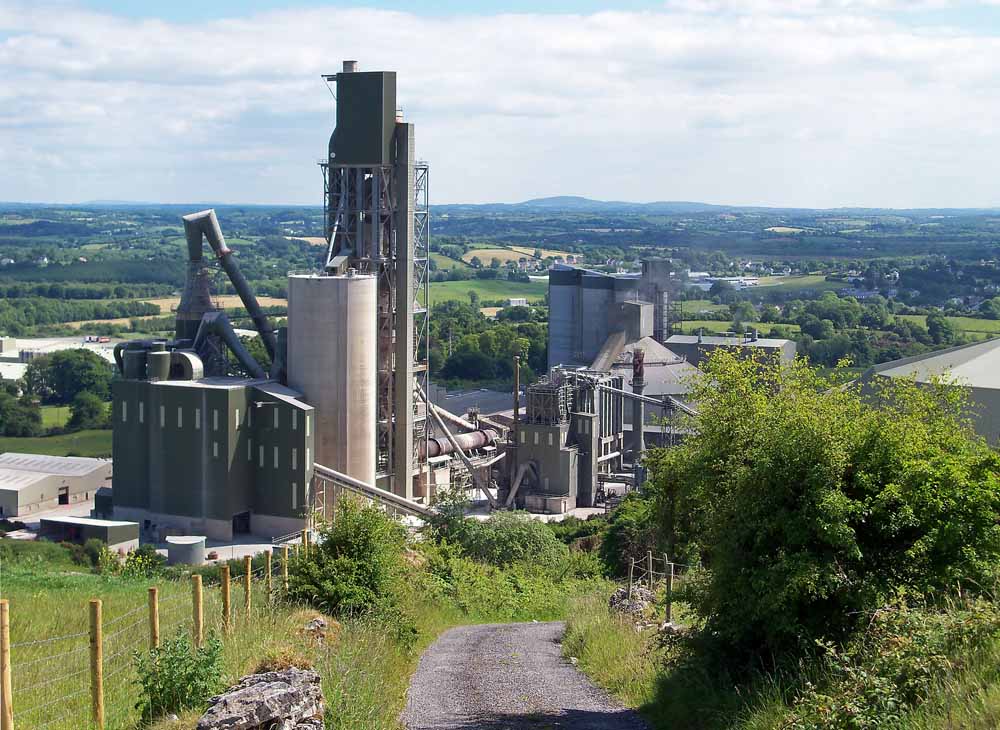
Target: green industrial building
[[217, 456]]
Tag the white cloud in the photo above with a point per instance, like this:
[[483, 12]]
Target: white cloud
[[817, 102]]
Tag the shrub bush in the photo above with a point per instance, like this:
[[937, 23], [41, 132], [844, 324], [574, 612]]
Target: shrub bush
[[354, 564], [506, 538], [812, 506], [174, 677], [633, 530]]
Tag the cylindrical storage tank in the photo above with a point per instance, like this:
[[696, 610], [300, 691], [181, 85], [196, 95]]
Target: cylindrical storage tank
[[185, 550], [134, 364], [332, 361], [158, 362]]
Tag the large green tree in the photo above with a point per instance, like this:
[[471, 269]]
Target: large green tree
[[810, 505], [59, 377]]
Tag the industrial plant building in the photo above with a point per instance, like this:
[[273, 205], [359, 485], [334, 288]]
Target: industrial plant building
[[342, 405], [31, 483], [216, 456], [697, 348], [974, 367]]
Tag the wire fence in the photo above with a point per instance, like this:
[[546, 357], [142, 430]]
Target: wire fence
[[87, 677], [650, 571]]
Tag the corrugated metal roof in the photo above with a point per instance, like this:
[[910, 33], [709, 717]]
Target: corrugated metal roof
[[61, 465], [15, 480], [976, 365]]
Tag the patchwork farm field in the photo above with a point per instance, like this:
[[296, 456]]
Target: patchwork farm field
[[487, 289]]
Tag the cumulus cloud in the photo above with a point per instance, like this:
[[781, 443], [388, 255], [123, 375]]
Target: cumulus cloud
[[817, 102]]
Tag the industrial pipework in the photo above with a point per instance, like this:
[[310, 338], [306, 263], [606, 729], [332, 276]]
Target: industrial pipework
[[206, 224]]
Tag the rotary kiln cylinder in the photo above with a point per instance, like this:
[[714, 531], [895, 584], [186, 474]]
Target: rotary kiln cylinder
[[332, 362]]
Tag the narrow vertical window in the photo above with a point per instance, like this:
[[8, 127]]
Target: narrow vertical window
[[180, 417], [124, 411], [308, 423], [215, 419], [197, 419], [295, 459], [141, 412], [275, 416], [260, 455], [295, 495], [163, 416], [308, 458], [249, 449], [275, 457], [295, 420], [237, 419], [215, 449]]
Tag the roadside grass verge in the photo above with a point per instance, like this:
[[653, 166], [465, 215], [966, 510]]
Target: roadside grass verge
[[365, 664], [957, 668]]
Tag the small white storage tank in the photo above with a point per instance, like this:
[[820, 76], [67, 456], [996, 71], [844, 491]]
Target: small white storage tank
[[185, 550], [332, 362]]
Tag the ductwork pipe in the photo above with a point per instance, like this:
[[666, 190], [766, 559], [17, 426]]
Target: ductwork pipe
[[217, 323], [464, 441], [206, 224], [453, 419]]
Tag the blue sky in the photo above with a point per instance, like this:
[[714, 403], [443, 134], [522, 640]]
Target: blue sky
[[773, 102]]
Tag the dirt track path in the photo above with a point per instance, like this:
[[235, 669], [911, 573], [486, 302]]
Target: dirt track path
[[509, 677]]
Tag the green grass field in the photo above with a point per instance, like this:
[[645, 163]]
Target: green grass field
[[55, 416], [691, 326], [443, 291], [816, 282], [444, 263], [694, 306], [81, 443], [973, 325]]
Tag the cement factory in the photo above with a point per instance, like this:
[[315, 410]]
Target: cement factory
[[343, 404]]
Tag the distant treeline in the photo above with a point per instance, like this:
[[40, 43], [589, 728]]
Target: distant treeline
[[17, 316], [21, 290]]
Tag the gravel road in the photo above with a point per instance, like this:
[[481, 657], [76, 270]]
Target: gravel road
[[507, 677]]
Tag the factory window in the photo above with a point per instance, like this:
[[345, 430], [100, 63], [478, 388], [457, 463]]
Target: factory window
[[215, 419], [536, 438], [295, 457], [308, 459], [250, 416], [550, 439], [524, 437], [295, 495], [124, 411], [295, 420], [307, 426], [249, 449], [180, 417], [141, 414], [275, 417], [237, 419], [260, 455], [275, 457], [215, 449], [163, 416], [197, 419]]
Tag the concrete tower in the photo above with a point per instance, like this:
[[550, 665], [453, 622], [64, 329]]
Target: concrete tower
[[375, 197]]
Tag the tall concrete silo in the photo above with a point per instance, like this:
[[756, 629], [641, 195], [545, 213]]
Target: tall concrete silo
[[332, 362]]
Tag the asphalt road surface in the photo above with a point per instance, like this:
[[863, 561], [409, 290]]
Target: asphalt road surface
[[507, 677]]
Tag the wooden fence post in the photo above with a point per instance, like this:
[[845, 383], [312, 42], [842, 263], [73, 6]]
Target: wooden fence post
[[649, 569], [248, 568], [267, 573], [227, 614], [154, 618], [96, 664], [6, 685], [305, 543], [284, 566], [631, 568], [198, 616], [669, 590]]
